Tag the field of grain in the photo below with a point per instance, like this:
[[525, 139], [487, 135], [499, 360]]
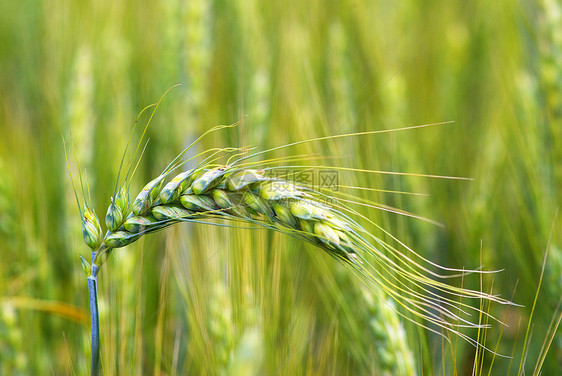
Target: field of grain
[[199, 299]]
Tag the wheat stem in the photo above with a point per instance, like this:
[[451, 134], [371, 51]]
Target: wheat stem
[[94, 316]]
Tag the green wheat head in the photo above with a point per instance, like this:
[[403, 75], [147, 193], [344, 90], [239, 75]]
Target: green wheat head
[[226, 188]]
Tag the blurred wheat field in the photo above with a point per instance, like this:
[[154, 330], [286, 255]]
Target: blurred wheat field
[[212, 301]]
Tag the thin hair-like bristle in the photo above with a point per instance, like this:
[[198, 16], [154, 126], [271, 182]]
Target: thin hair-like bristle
[[71, 178]]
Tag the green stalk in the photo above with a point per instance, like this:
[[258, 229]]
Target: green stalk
[[94, 315]]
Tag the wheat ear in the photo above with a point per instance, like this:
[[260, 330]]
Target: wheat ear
[[240, 194], [233, 194]]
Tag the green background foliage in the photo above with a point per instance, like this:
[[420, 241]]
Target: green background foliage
[[211, 301]]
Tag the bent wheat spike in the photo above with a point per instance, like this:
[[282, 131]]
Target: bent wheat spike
[[240, 193], [255, 198], [236, 194]]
